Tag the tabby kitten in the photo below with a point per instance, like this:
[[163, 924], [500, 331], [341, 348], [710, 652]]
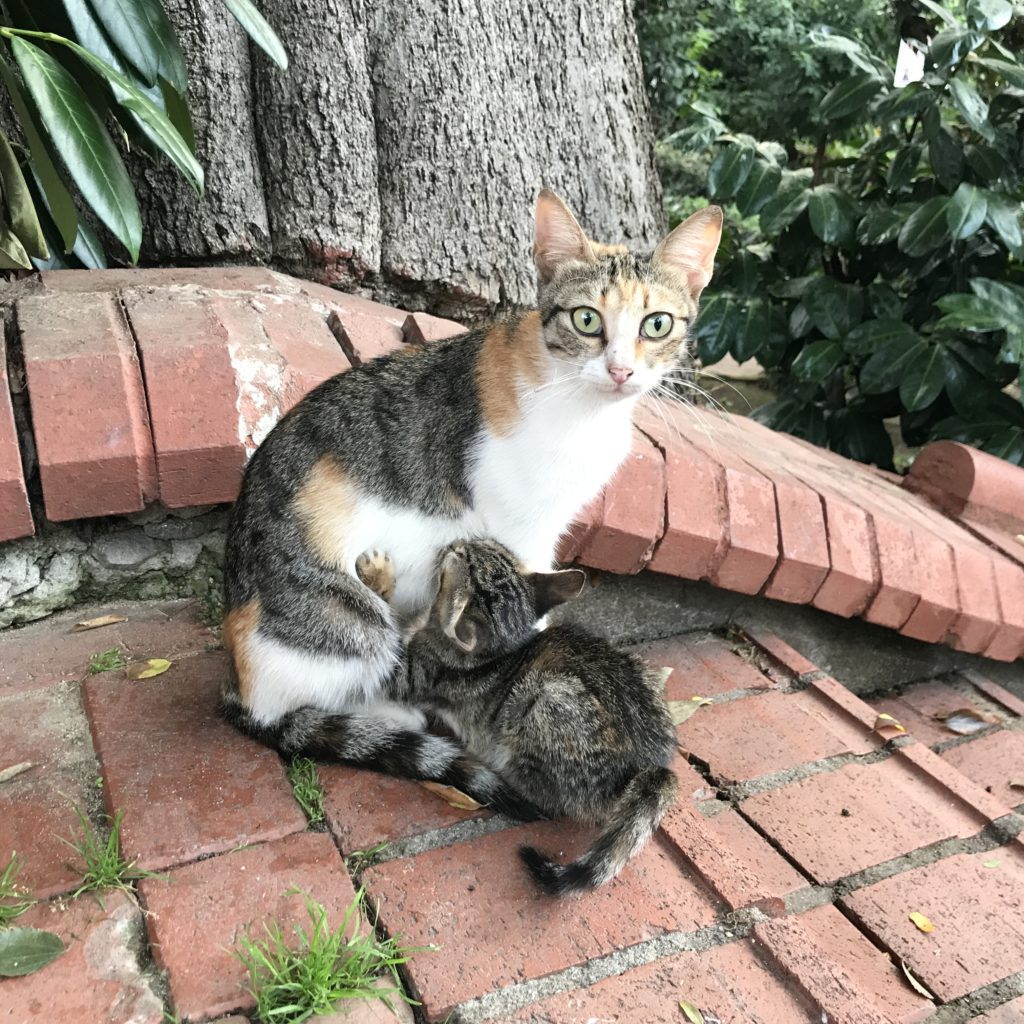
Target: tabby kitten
[[570, 722], [504, 432]]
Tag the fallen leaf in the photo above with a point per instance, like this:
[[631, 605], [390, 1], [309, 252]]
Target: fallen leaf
[[921, 921], [147, 669], [681, 710], [1019, 538], [1017, 785], [886, 721], [102, 620], [15, 770], [693, 1015], [659, 677], [964, 721], [991, 863], [914, 983], [24, 950], [452, 796]]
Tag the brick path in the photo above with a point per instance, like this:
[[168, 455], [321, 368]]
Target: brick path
[[778, 890]]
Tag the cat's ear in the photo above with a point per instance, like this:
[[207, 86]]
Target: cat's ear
[[551, 589], [690, 249], [453, 595], [558, 238]]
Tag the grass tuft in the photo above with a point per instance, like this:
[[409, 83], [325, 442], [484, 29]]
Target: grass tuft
[[14, 900], [309, 792], [103, 864], [359, 860], [322, 967], [106, 661]]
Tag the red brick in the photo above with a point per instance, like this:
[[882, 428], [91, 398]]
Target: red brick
[[924, 728], [1008, 1013], [49, 651], [975, 627], [1008, 642], [634, 512], [923, 706], [843, 975], [199, 913], [789, 657], [728, 981], [695, 528], [995, 692], [89, 412], [977, 913], [365, 329], [255, 279], [420, 328], [97, 977], [15, 512], [893, 810], [495, 928], [188, 783], [757, 735], [702, 666], [993, 762], [580, 532], [365, 808], [46, 728]]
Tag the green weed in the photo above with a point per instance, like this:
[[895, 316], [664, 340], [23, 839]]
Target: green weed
[[359, 860], [106, 661], [305, 780], [103, 864], [14, 900]]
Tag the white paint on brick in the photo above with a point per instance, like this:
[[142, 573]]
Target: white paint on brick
[[260, 377]]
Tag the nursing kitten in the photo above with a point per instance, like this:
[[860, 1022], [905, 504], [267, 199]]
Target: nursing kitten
[[570, 722], [504, 432]]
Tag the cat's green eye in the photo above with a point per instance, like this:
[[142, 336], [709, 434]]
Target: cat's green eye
[[587, 320], [657, 325]]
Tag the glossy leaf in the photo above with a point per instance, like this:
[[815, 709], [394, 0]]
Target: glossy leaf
[[1007, 298], [24, 950], [753, 330], [850, 96], [972, 106], [833, 214], [24, 220], [12, 252], [800, 321], [760, 185], [176, 108], [880, 225], [946, 155], [857, 434], [925, 378], [789, 201], [926, 228], [818, 360], [834, 308], [952, 45], [886, 368], [143, 33], [1011, 72], [1004, 217], [716, 328], [904, 166], [990, 15], [966, 210], [872, 335], [985, 161], [793, 417], [1007, 444], [258, 30], [729, 170], [969, 313], [884, 302]]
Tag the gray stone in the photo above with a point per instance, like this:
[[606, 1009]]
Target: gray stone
[[125, 550]]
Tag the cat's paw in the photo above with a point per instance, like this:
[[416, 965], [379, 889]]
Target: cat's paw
[[377, 571]]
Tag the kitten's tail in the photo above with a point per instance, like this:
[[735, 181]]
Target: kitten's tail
[[631, 823], [384, 746]]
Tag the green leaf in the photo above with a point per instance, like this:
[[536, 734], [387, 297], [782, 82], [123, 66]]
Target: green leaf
[[789, 201], [989, 15], [884, 302], [800, 321], [853, 51], [870, 336], [925, 378], [986, 161], [859, 435], [926, 228], [794, 417], [901, 103], [833, 214], [51, 184], [258, 30], [12, 252], [904, 166], [24, 950], [970, 313], [880, 225], [1007, 298], [1003, 216], [729, 170], [943, 13], [951, 45], [885, 370], [818, 360], [758, 188], [946, 155], [1011, 72], [753, 330], [972, 106], [1007, 444], [176, 108], [834, 308], [717, 325], [142, 32], [80, 138], [24, 220], [850, 96], [966, 210], [1013, 347]]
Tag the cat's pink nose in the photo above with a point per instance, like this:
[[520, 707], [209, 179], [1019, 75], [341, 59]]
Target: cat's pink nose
[[619, 374]]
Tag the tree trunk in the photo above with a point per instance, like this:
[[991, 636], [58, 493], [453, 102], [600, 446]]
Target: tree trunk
[[231, 219]]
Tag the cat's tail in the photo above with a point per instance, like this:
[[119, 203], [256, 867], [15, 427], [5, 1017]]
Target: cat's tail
[[631, 823], [381, 745]]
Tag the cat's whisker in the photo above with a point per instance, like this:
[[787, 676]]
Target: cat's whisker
[[724, 380]]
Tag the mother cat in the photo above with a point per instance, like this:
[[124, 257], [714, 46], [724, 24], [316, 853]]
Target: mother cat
[[505, 432]]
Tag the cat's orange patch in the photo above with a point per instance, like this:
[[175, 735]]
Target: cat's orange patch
[[602, 251], [240, 625], [512, 355], [324, 505]]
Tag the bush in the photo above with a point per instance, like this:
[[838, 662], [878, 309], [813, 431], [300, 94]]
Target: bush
[[878, 270]]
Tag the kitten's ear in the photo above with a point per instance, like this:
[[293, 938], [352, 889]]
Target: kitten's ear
[[690, 249], [551, 589], [558, 238], [453, 595]]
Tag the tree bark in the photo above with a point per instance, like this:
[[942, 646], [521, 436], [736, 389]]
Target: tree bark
[[230, 221]]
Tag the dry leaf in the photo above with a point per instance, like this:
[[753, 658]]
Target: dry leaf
[[659, 677], [922, 922], [692, 1014], [103, 620], [15, 770], [1019, 538], [886, 721], [964, 721], [914, 983], [1017, 785], [991, 863], [147, 669], [452, 796], [681, 710]]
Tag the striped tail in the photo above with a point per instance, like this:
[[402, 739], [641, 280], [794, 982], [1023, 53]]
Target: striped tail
[[631, 823], [383, 746]]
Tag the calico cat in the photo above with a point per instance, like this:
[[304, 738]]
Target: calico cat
[[570, 722], [504, 432]]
